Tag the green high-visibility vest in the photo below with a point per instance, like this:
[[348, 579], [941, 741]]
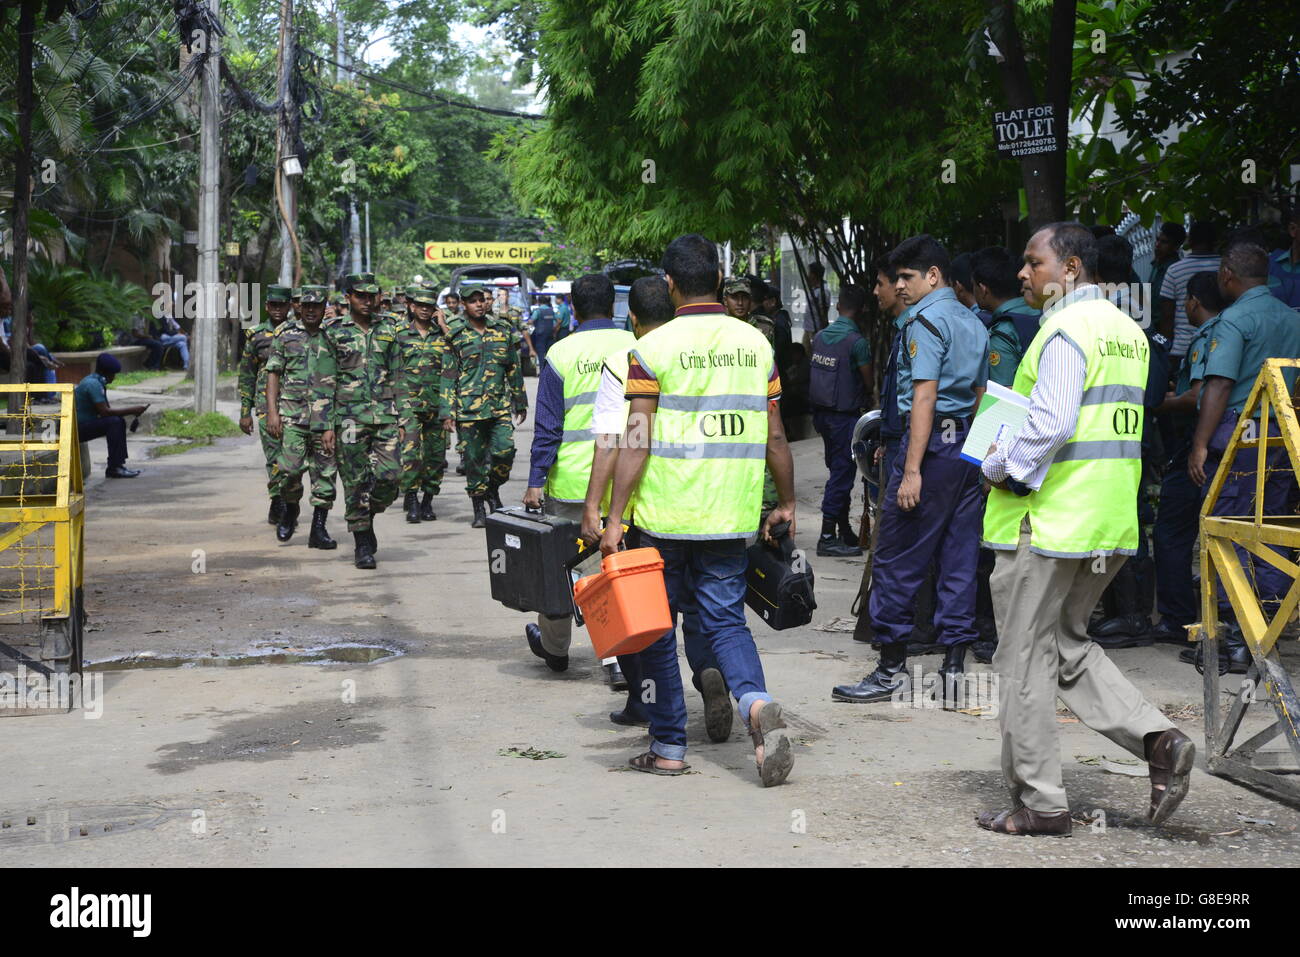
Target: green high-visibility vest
[[1087, 505], [577, 360], [704, 475]]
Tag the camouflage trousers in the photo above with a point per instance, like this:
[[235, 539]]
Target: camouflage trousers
[[270, 449], [424, 453], [301, 451], [489, 453], [370, 467]]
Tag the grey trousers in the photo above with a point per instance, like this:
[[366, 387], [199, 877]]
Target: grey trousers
[[557, 632], [1042, 607]]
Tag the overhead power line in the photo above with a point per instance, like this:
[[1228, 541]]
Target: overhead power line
[[434, 97]]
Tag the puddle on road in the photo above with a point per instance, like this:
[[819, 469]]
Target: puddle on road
[[326, 654]]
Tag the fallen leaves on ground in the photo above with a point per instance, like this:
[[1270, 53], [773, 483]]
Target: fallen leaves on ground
[[533, 754]]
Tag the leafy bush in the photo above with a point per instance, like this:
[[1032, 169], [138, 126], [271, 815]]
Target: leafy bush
[[76, 310]]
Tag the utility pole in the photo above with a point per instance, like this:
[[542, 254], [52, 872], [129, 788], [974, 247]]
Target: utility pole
[[286, 195], [354, 221], [205, 323], [368, 264]]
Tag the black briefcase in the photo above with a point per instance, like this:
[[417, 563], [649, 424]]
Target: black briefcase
[[779, 582], [527, 552]]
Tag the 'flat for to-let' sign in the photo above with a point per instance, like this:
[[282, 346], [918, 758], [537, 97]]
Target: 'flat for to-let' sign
[[1026, 131], [473, 253]]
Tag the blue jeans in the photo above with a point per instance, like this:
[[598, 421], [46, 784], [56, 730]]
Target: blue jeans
[[712, 573], [182, 344], [698, 655]]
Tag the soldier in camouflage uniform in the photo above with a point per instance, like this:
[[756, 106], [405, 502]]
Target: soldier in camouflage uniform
[[252, 386], [738, 298], [299, 411], [481, 384], [367, 366], [424, 443]]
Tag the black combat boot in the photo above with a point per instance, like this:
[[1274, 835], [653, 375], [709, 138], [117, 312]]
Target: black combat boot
[[288, 521], [364, 556], [831, 545], [427, 513], [848, 534], [412, 505], [950, 672], [320, 536], [882, 684], [494, 499], [275, 511], [480, 512]]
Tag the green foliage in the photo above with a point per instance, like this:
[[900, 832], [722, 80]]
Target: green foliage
[[188, 424], [136, 377], [796, 113], [75, 309]]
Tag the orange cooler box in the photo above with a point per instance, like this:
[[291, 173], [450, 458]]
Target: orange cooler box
[[626, 605]]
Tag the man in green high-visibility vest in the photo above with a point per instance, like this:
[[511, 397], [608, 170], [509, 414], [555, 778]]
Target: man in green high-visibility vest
[[702, 423], [1062, 517]]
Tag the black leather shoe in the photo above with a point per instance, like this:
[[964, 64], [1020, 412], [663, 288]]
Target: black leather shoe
[[273, 513], [828, 546], [426, 508], [288, 521], [121, 471], [950, 672], [480, 514], [614, 675], [983, 651], [881, 684], [320, 536], [554, 662], [1196, 656], [717, 705], [1112, 642], [1121, 626], [1239, 660], [364, 556], [1167, 633], [628, 719], [412, 505]]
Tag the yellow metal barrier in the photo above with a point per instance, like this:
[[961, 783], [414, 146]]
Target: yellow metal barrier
[[1222, 565], [42, 509]]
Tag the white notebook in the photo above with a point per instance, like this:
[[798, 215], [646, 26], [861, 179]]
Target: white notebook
[[1001, 414]]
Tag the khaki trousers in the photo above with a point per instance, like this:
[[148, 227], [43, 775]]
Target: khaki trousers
[[1042, 607], [557, 632]]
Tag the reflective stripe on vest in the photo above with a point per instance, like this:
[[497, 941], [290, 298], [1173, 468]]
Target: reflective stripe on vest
[[704, 476], [577, 360], [1087, 505]]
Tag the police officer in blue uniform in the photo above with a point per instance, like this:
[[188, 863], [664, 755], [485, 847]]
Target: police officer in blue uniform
[[1012, 323], [1177, 519], [1255, 327], [1284, 265], [932, 507], [839, 384]]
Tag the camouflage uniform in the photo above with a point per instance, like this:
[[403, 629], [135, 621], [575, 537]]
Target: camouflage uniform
[[252, 382], [305, 367], [482, 383], [424, 443], [365, 414]]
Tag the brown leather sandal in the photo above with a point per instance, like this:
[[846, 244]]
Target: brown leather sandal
[[778, 753], [1025, 822], [1169, 758], [646, 762]]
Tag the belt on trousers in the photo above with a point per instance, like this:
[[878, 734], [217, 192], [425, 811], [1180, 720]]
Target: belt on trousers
[[942, 422]]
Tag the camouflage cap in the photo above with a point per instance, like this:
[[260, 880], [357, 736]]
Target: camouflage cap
[[276, 293], [361, 282], [296, 293], [314, 294], [421, 296], [737, 284], [466, 291]]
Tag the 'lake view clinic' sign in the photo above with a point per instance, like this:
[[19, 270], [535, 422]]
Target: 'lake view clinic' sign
[[475, 253], [1027, 131]]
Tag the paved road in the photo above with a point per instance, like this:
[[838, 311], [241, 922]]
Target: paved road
[[399, 762]]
